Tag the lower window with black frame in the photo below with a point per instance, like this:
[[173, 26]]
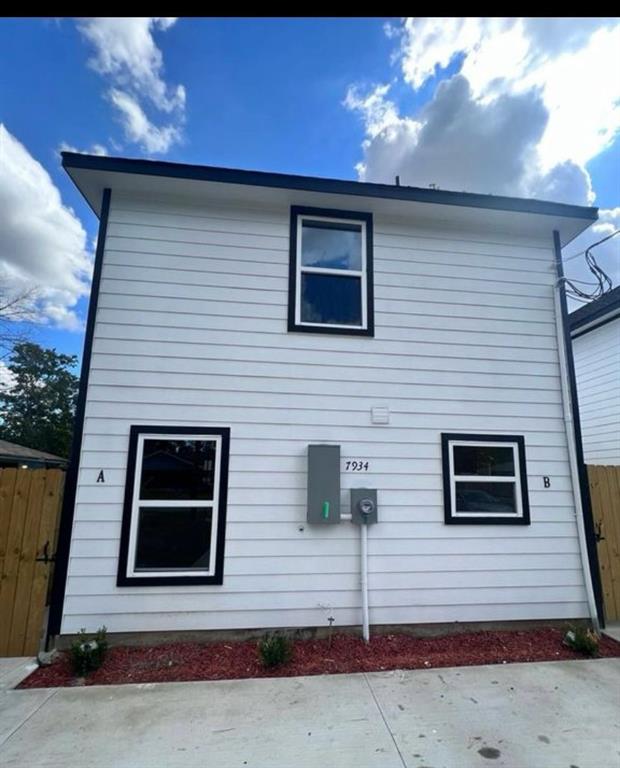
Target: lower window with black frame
[[174, 515], [485, 479]]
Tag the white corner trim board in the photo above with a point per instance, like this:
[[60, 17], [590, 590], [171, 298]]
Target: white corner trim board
[[572, 454]]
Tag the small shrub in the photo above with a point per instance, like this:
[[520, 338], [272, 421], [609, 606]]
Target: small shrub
[[274, 650], [583, 640], [88, 655]]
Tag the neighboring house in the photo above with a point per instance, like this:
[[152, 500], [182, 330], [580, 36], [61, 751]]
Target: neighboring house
[[239, 317], [595, 331], [13, 455]]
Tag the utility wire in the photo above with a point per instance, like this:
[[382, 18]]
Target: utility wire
[[604, 240], [603, 282]]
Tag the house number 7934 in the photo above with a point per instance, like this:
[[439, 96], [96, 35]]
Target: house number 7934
[[356, 465]]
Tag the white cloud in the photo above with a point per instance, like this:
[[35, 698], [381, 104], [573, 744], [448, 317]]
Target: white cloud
[[379, 113], [457, 142], [532, 103], [392, 30], [7, 378], [138, 128], [42, 242], [569, 61], [126, 51], [127, 55], [94, 149]]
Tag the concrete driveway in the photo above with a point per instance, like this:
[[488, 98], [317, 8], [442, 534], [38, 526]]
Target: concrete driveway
[[550, 715]]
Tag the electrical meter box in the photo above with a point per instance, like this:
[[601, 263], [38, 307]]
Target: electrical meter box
[[363, 506], [323, 484]]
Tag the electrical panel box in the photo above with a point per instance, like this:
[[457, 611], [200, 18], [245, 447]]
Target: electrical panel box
[[323, 484], [364, 506]]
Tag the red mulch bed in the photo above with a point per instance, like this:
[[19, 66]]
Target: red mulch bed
[[346, 653]]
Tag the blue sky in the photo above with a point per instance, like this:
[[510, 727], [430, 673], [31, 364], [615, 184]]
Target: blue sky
[[350, 98]]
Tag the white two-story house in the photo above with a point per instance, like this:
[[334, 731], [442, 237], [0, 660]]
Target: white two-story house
[[241, 320]]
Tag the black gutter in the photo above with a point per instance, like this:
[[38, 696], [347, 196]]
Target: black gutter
[[599, 324], [68, 504], [586, 501], [74, 160], [596, 310]]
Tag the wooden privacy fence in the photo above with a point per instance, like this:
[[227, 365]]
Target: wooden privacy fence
[[30, 501], [605, 492]]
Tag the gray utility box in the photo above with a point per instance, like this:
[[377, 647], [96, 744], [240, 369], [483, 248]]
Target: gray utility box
[[323, 484], [363, 506]]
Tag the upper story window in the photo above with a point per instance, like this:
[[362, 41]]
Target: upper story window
[[485, 479], [331, 286]]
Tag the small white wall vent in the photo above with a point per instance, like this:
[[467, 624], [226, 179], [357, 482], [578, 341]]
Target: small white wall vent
[[380, 414]]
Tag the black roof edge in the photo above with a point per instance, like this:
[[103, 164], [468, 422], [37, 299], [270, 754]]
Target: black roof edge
[[164, 168], [26, 459], [595, 310]]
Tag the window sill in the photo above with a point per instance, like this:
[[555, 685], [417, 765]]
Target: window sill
[[299, 328], [486, 521], [167, 581]]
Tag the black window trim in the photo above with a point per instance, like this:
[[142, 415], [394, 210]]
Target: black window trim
[[446, 439], [122, 579], [360, 216]]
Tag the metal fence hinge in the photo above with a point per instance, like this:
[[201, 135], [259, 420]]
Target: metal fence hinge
[[46, 557]]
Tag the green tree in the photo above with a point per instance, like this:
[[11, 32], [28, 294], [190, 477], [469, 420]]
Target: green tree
[[37, 408]]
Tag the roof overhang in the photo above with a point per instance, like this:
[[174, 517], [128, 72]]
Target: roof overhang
[[531, 218], [599, 312]]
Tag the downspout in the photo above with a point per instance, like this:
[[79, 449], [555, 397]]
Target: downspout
[[364, 569], [563, 340], [363, 576]]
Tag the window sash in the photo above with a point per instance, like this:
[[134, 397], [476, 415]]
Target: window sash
[[485, 478], [173, 503], [362, 274], [515, 479], [330, 271], [131, 570]]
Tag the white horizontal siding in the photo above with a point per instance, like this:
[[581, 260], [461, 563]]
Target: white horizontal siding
[[403, 566], [172, 620], [228, 600], [307, 545], [191, 330], [597, 367], [283, 531], [348, 581], [243, 497], [111, 451]]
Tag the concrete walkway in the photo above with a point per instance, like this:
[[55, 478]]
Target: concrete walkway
[[551, 715]]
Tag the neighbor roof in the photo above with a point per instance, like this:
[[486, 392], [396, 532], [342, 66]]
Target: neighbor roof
[[596, 313], [93, 173], [17, 452]]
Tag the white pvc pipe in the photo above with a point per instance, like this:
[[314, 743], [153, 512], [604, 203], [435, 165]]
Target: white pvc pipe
[[364, 569], [572, 456]]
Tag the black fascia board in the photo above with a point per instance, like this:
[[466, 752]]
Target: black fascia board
[[595, 310], [161, 168]]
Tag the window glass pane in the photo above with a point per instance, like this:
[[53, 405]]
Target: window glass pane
[[485, 497], [331, 245], [177, 469], [174, 537], [331, 299], [483, 460]]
